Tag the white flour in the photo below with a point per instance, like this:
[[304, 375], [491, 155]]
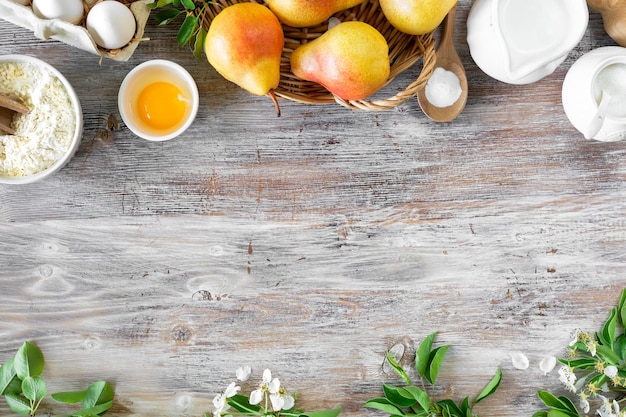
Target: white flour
[[443, 88], [44, 135]]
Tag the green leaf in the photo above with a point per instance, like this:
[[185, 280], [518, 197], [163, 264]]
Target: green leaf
[[560, 413], [422, 398], [165, 16], [465, 407], [198, 46], [95, 410], [323, 413], [242, 404], [28, 361], [622, 309], [383, 404], [569, 405], [608, 331], [398, 396], [188, 4], [541, 414], [34, 388], [69, 397], [17, 404], [163, 3], [434, 363], [423, 354], [187, 29], [608, 354], [98, 393], [550, 400], [582, 364], [620, 346], [398, 368], [7, 375], [451, 407], [491, 387]]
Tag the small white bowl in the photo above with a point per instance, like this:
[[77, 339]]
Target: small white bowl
[[78, 130], [145, 74]]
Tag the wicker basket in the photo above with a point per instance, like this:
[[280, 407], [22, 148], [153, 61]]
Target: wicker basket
[[404, 51]]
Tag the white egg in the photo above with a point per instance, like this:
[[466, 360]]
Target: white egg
[[69, 10], [111, 24]]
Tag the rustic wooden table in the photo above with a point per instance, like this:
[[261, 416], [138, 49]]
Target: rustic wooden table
[[311, 243]]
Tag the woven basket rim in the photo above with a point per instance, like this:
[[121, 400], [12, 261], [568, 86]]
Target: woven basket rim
[[405, 51]]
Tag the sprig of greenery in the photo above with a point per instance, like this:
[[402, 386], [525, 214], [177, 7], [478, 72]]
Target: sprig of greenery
[[594, 370], [23, 387], [269, 399], [413, 401], [191, 31]]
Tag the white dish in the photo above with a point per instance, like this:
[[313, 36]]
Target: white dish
[[581, 98], [78, 130], [522, 41], [142, 77]]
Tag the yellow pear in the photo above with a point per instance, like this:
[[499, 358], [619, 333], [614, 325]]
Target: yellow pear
[[303, 13], [244, 44], [351, 60], [416, 17]]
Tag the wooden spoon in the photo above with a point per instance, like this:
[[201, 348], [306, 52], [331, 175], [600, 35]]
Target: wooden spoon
[[8, 108], [448, 59]]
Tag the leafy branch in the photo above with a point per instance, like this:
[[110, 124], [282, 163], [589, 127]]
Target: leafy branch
[[269, 399], [413, 401], [24, 389], [594, 370], [191, 31]]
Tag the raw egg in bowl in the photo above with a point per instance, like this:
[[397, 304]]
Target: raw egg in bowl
[[158, 100]]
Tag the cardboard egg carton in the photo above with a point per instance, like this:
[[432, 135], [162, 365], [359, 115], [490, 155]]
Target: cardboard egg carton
[[74, 35]]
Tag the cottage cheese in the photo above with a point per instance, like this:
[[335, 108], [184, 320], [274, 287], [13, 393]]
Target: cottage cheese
[[43, 136]]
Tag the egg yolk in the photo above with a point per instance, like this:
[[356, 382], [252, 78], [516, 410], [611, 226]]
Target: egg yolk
[[161, 105]]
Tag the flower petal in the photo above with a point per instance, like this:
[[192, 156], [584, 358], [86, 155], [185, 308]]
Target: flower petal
[[289, 402], [243, 373], [274, 386], [231, 390], [267, 376], [547, 364], [277, 402], [256, 396]]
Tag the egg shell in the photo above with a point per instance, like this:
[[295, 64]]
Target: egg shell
[[71, 11], [111, 24]]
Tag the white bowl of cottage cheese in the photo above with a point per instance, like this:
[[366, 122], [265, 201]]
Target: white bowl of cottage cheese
[[47, 137]]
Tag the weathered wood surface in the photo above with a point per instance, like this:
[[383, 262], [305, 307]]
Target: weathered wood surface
[[311, 243]]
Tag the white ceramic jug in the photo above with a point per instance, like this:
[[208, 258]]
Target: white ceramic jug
[[594, 94], [522, 41]]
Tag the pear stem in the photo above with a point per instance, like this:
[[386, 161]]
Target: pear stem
[[275, 101]]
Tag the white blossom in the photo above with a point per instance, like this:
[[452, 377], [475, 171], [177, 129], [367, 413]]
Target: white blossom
[[219, 402], [608, 408], [567, 377], [584, 405], [267, 385], [610, 371], [574, 338], [243, 373], [279, 398]]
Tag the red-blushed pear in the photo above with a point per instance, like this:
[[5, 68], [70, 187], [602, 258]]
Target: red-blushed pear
[[416, 17], [351, 60], [305, 13], [244, 44]]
